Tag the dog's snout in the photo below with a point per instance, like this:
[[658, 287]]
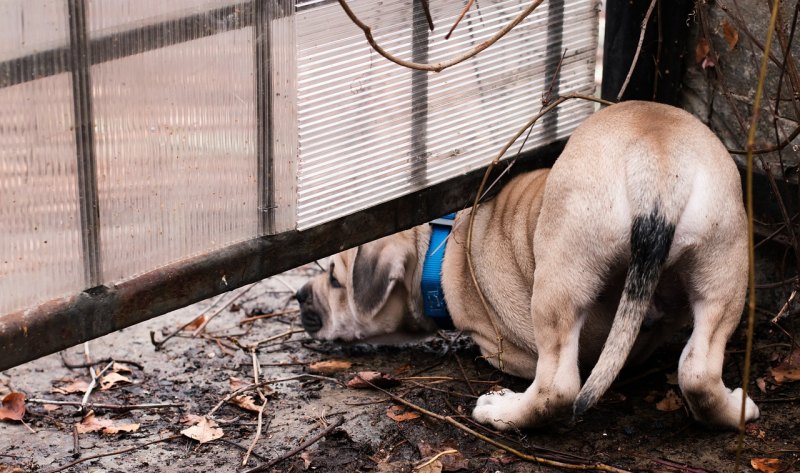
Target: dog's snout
[[302, 295]]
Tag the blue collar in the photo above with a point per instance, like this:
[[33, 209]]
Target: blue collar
[[432, 294]]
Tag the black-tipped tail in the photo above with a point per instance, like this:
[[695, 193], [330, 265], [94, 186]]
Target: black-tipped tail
[[651, 240]]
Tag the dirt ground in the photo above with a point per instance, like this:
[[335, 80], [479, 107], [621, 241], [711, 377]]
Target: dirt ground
[[639, 426]]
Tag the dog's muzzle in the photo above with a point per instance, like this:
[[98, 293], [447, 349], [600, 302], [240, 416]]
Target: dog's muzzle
[[310, 318]]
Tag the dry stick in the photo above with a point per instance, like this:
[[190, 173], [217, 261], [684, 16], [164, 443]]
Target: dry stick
[[256, 379], [242, 448], [784, 308], [500, 445], [464, 373], [71, 366], [108, 454], [110, 407], [751, 303], [76, 444], [460, 17], [221, 308], [638, 49], [769, 149], [267, 316], [92, 385], [476, 204], [266, 383], [428, 16], [440, 66], [436, 457], [298, 449]]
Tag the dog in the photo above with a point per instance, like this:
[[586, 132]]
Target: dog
[[637, 230]]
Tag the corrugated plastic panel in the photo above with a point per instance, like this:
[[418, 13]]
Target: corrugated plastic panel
[[175, 143], [370, 130], [40, 243]]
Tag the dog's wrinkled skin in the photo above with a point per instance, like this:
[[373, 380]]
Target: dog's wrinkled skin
[[639, 224]]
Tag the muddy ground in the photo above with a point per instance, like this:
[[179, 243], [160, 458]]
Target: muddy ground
[[639, 426]]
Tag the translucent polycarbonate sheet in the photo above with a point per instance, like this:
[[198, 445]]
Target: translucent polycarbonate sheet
[[40, 239], [31, 26], [175, 144], [370, 130], [115, 15]]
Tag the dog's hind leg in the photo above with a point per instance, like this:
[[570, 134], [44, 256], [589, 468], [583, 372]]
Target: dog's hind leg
[[716, 291], [558, 318]]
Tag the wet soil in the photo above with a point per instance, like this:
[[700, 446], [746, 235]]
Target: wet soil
[[629, 429]]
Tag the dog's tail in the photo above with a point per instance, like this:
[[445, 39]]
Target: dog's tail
[[651, 239]]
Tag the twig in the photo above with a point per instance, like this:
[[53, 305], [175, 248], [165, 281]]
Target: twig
[[108, 454], [460, 17], [285, 334], [638, 49], [110, 407], [92, 385], [299, 448], [268, 382], [242, 448], [257, 381], [436, 457], [440, 66], [267, 316], [219, 310], [785, 307], [428, 16], [770, 149], [751, 303], [532, 458], [76, 443], [97, 362], [464, 373]]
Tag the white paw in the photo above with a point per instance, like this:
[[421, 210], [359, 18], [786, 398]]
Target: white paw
[[751, 412], [500, 409]]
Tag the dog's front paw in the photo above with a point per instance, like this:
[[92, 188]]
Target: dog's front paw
[[751, 411], [500, 409]]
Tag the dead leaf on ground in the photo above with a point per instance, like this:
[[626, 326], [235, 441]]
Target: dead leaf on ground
[[73, 386], [671, 402], [450, 458], [91, 423], [381, 380], [730, 33], [246, 402], [120, 368], [787, 370], [51, 407], [111, 380], [701, 50], [195, 324], [307, 458], [767, 465], [236, 383], [400, 413], [191, 419], [13, 407], [762, 384], [754, 430], [329, 366], [10, 469], [204, 431]]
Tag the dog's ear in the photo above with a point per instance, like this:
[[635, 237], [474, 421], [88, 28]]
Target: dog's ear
[[376, 271]]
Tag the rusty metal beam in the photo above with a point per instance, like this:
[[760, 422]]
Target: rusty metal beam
[[58, 324]]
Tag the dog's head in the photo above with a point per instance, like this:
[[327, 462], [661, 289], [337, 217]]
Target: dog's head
[[366, 294]]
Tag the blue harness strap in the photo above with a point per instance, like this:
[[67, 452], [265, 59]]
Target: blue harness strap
[[432, 295]]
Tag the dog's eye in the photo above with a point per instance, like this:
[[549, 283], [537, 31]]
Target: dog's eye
[[334, 282]]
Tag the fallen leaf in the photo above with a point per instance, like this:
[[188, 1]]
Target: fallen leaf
[[246, 402], [91, 423], [191, 419], [51, 407], [307, 459], [195, 324], [329, 366], [10, 469], [730, 33], [701, 50], [450, 458], [671, 402], [788, 369], [235, 383], [111, 380], [400, 413], [762, 384], [79, 386], [13, 407], [753, 430], [204, 431], [767, 465], [120, 368], [382, 380]]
